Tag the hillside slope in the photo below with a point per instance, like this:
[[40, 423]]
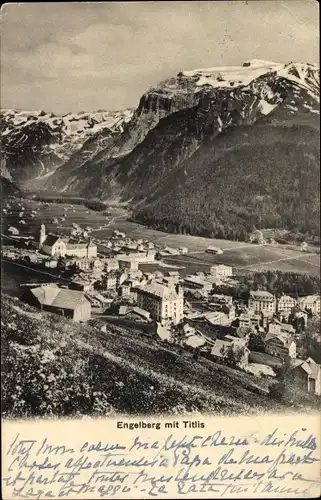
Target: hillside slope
[[52, 366]]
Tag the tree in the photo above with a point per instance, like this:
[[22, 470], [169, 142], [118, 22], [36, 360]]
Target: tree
[[235, 356], [256, 342], [277, 391]]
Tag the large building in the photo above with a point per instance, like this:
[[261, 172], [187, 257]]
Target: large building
[[220, 271], [310, 303], [165, 303], [69, 303], [65, 247], [285, 304], [262, 301]]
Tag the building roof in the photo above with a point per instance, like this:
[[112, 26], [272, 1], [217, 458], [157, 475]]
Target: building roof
[[220, 348], [51, 239], [158, 290], [46, 294], [141, 312], [62, 298], [309, 298], [286, 298], [300, 363], [285, 338], [195, 341], [261, 294]]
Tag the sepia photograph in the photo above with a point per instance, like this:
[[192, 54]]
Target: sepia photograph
[[160, 210]]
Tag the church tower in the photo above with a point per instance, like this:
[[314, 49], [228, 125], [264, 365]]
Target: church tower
[[42, 235]]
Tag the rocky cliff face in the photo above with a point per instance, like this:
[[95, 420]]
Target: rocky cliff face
[[35, 143], [174, 120]]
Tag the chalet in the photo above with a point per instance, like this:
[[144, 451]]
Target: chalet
[[281, 345], [222, 349], [69, 303]]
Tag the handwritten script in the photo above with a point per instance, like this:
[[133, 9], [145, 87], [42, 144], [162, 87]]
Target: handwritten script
[[279, 461]]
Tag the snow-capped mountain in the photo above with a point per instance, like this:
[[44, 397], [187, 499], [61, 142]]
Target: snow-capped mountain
[[189, 107], [192, 155], [35, 143]]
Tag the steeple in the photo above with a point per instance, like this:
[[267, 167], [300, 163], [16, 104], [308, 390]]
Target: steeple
[[42, 235]]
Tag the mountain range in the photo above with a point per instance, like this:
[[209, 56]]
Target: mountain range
[[214, 151]]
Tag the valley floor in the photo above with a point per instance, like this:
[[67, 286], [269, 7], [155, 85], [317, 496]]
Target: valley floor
[[244, 257]]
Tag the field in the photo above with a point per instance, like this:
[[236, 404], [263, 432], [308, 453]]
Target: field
[[244, 257]]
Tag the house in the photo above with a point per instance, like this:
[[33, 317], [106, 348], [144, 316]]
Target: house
[[275, 327], [69, 303], [308, 374], [262, 301], [128, 263], [281, 345], [51, 263], [250, 319], [310, 303], [222, 349], [22, 222], [214, 250], [165, 304], [285, 304], [125, 289], [183, 250], [82, 285], [110, 280]]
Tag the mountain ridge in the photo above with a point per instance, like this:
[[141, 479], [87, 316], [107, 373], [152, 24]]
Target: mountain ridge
[[203, 112]]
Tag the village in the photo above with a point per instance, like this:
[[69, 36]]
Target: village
[[129, 283]]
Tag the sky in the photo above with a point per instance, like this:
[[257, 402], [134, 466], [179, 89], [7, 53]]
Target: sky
[[63, 57]]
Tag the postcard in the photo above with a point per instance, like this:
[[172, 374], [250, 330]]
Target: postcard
[[160, 250]]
